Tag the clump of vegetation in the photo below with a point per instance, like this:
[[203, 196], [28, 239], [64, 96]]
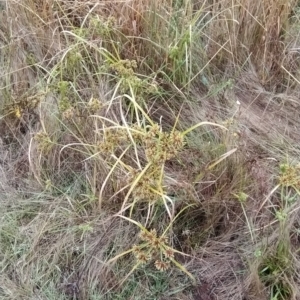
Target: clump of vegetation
[[149, 149]]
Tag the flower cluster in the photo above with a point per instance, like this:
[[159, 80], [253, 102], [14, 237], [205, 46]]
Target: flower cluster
[[94, 105], [124, 67], [69, 113], [153, 248], [73, 60], [113, 137], [125, 70], [290, 176], [161, 146], [102, 27], [44, 143], [147, 185]]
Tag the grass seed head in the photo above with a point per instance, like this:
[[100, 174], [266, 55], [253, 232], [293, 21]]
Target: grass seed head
[[162, 265]]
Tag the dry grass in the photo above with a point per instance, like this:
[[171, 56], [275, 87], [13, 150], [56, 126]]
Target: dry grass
[[149, 149]]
